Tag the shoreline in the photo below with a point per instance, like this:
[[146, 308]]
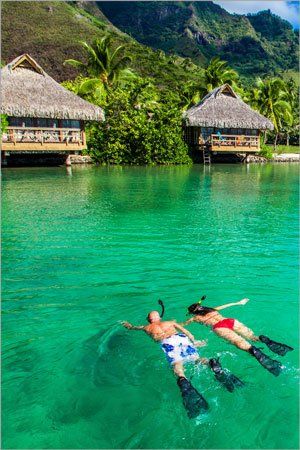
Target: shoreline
[[282, 158], [277, 158], [81, 160]]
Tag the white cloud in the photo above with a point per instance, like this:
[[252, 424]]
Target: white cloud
[[286, 10]]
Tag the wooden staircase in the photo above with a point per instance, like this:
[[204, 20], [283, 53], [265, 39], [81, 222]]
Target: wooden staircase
[[206, 157]]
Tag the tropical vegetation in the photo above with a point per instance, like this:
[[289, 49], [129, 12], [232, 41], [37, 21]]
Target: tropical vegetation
[[271, 98], [167, 41], [144, 121], [216, 73], [3, 123], [106, 67], [141, 127], [171, 66]]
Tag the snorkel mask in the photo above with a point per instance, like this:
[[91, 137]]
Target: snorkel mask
[[196, 307]]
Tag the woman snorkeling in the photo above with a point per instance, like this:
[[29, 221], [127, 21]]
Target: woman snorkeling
[[237, 333]]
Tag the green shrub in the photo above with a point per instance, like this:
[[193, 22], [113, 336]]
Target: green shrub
[[265, 150], [3, 123], [138, 130]]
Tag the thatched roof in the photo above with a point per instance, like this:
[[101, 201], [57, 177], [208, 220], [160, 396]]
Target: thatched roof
[[222, 108], [27, 91]]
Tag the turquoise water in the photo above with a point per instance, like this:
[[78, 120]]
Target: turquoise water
[[87, 248]]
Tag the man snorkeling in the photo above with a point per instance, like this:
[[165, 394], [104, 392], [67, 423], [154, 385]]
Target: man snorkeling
[[179, 346], [237, 333]]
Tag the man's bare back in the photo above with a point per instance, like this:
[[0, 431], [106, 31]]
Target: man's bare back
[[162, 330], [159, 330]]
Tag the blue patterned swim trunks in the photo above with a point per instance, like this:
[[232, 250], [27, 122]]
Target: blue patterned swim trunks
[[179, 348]]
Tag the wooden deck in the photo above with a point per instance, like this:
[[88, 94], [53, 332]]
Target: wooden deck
[[18, 139], [234, 143]]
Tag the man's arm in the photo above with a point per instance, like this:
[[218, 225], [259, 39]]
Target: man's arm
[[187, 322], [189, 335], [129, 326], [241, 302]]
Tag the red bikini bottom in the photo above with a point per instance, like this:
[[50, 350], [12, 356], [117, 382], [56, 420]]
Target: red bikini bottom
[[225, 323]]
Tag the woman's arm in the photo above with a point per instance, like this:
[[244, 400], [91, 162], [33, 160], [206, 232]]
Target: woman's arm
[[187, 322], [241, 302], [189, 335], [129, 326]]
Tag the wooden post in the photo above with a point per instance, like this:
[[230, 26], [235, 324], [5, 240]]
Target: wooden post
[[68, 161], [3, 159], [60, 122], [83, 138], [11, 135]]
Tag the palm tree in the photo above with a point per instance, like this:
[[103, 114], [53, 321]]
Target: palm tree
[[271, 98], [144, 95], [105, 67], [190, 94], [217, 73]]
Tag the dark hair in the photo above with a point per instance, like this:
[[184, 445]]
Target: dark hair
[[199, 310]]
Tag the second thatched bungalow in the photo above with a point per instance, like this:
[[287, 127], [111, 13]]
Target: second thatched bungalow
[[223, 123], [43, 116]]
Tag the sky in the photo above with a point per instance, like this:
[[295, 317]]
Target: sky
[[288, 10]]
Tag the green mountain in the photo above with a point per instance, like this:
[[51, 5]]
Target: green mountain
[[189, 32], [255, 44], [51, 32]]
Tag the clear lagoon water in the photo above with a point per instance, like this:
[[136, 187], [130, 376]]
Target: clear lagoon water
[[86, 248]]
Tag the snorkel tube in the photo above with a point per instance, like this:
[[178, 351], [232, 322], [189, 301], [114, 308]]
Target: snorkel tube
[[201, 300], [160, 302]]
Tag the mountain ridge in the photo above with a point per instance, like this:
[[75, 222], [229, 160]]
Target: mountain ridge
[[189, 32], [255, 44], [51, 32]]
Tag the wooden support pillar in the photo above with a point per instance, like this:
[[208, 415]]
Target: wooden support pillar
[[3, 158], [68, 161]]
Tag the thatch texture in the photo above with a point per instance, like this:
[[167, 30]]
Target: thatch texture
[[222, 108], [27, 91]]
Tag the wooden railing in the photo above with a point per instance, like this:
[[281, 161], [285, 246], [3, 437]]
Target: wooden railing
[[226, 140], [43, 135]]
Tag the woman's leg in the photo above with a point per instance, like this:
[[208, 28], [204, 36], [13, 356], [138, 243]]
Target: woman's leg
[[233, 337], [241, 329]]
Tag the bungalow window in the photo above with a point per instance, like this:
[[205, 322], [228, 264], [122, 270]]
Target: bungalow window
[[67, 123], [20, 121], [15, 121], [195, 135], [46, 123], [206, 132]]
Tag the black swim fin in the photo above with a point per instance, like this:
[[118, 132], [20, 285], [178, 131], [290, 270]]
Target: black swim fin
[[275, 347], [193, 401], [229, 381], [271, 365]]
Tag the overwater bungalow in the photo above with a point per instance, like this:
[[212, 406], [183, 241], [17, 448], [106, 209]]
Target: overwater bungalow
[[43, 116], [223, 123]]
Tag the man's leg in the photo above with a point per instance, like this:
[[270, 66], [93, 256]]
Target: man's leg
[[193, 401], [241, 329], [178, 369], [234, 338], [200, 360]]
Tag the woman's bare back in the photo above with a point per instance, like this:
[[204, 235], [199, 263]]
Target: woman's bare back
[[209, 319]]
